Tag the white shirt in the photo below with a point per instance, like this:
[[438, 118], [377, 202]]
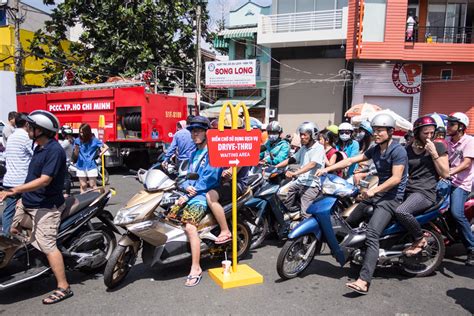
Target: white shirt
[[315, 153], [18, 155]]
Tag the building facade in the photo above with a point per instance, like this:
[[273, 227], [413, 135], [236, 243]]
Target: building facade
[[413, 56], [239, 41], [308, 69]]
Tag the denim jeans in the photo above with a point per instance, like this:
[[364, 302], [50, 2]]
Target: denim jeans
[[458, 198], [8, 213]]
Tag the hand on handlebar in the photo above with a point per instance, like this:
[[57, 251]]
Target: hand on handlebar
[[182, 200], [321, 172], [290, 174], [191, 191], [367, 194]]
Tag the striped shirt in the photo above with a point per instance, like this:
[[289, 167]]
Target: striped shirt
[[18, 155]]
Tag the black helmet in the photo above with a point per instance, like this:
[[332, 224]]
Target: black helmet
[[199, 122], [66, 130]]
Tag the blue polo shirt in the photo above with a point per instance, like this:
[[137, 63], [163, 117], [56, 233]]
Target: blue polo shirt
[[49, 160], [87, 153]]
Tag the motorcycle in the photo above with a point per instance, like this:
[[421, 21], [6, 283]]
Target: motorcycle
[[85, 245], [163, 241], [348, 245], [269, 214]]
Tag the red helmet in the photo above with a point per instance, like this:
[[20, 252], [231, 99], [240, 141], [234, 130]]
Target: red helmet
[[424, 121]]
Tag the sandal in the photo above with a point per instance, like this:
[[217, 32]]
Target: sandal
[[58, 295], [193, 277], [354, 287], [416, 248], [223, 239]]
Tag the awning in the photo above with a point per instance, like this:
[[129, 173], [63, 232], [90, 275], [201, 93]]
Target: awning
[[215, 109], [220, 42], [238, 33]]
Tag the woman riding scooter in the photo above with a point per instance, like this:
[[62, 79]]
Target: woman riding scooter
[[390, 160]]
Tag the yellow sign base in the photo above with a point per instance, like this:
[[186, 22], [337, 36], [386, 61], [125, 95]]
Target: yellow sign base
[[244, 276]]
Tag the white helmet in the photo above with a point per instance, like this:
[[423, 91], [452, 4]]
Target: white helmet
[[346, 127], [459, 117], [308, 127], [44, 120], [383, 120]]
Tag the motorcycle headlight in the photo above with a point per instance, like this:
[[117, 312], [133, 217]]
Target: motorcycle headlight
[[127, 215]]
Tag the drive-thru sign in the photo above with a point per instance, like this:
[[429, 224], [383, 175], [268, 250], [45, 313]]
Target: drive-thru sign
[[234, 148]]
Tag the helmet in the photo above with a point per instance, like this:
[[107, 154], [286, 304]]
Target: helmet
[[199, 122], [346, 127], [44, 120], [459, 118], [365, 125], [309, 127], [423, 121], [215, 123], [274, 127], [66, 130], [333, 128], [228, 122], [441, 130], [383, 120]]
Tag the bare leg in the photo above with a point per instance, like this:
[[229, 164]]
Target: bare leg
[[195, 244], [83, 184], [93, 183], [55, 259], [218, 211]]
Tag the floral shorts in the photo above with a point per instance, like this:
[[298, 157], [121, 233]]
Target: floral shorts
[[191, 214]]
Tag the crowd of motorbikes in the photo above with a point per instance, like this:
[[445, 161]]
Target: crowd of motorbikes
[[87, 234]]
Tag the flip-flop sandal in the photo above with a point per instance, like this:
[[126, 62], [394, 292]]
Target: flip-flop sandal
[[193, 277], [354, 287], [223, 241], [55, 298], [419, 246]]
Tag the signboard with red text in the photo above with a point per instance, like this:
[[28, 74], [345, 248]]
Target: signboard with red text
[[234, 148]]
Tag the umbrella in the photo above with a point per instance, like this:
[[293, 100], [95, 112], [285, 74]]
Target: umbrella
[[400, 122], [255, 123], [362, 109], [441, 119]]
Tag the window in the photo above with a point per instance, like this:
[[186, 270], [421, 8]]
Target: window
[[446, 74], [3, 17], [304, 5], [286, 6], [374, 21], [239, 51]]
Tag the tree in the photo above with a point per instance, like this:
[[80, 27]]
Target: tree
[[120, 38]]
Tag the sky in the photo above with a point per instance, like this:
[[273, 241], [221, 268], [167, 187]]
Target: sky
[[215, 7]]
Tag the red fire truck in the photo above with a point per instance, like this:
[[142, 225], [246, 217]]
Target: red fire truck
[[137, 123]]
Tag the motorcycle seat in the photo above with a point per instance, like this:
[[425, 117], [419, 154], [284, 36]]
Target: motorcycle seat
[[76, 203]]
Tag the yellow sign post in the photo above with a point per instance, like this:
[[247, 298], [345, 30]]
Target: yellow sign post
[[241, 275], [101, 137]]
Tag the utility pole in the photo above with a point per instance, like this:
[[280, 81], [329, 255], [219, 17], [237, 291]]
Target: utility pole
[[15, 15], [198, 57]]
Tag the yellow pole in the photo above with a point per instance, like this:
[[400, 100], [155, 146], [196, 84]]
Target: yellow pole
[[234, 219], [103, 171]]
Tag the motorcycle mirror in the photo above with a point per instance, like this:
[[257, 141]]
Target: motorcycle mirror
[[192, 176]]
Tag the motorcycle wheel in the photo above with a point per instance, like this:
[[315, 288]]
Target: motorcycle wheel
[[428, 260], [291, 261], [244, 239], [110, 243], [259, 232], [99, 178], [119, 265]]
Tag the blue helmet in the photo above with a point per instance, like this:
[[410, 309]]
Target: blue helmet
[[365, 125], [199, 122]]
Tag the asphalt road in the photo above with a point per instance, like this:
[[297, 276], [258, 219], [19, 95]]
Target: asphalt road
[[320, 290]]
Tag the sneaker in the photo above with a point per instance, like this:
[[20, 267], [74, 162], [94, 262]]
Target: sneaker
[[470, 259]]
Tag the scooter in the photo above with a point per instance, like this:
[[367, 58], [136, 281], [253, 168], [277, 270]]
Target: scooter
[[266, 206], [348, 245], [163, 241], [85, 245]]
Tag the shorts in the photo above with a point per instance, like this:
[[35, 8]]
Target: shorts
[[45, 225], [225, 192], [190, 214], [87, 173]]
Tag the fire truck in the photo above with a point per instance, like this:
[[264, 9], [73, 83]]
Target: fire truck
[[135, 124]]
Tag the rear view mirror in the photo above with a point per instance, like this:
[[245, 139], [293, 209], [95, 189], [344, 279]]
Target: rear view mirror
[[192, 176]]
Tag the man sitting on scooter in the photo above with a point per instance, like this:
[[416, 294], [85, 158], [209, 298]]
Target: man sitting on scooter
[[277, 149], [222, 195], [310, 158], [391, 162], [195, 199], [42, 196]]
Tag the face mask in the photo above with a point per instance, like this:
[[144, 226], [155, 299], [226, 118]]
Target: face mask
[[360, 136], [273, 138], [345, 137]]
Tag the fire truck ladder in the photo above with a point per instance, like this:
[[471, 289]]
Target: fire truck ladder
[[88, 87]]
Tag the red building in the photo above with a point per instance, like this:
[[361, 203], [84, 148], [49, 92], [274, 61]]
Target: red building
[[413, 56]]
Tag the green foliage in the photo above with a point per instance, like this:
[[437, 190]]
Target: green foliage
[[120, 38]]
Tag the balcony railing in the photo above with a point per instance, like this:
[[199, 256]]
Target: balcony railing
[[441, 34], [302, 21]]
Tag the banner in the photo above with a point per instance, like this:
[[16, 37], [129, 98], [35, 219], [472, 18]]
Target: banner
[[81, 106], [231, 74]]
